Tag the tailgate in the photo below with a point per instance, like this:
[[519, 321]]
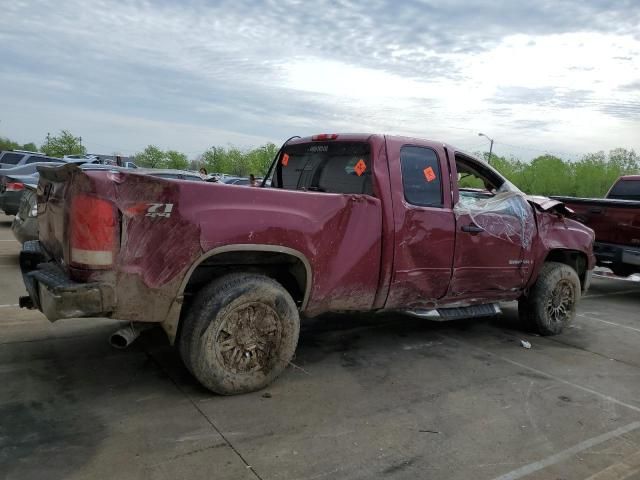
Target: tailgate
[[53, 191]]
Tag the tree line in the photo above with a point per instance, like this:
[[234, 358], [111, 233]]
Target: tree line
[[591, 176], [230, 160], [65, 143]]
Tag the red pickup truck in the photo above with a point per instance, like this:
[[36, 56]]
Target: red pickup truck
[[616, 222], [348, 223]]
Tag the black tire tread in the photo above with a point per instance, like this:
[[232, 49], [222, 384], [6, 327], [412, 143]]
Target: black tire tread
[[203, 311], [531, 309]]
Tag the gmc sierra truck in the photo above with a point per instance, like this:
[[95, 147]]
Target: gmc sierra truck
[[349, 222], [616, 223]]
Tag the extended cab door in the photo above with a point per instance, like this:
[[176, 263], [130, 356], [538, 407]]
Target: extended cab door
[[423, 224], [493, 234]]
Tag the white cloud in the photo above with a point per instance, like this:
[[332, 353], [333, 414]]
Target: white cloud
[[127, 74]]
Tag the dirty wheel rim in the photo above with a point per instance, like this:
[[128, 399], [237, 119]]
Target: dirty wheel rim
[[560, 303], [248, 338]]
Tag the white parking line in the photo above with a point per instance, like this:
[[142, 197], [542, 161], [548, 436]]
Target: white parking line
[[609, 323], [10, 305], [621, 292], [471, 346], [569, 452]]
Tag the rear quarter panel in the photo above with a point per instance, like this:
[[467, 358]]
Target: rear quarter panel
[[340, 235]]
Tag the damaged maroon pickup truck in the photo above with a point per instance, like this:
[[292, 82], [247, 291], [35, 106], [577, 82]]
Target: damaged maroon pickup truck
[[348, 223]]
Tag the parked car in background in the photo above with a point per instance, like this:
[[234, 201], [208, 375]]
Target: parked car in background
[[172, 174], [98, 158], [616, 222], [11, 191], [14, 158], [350, 223], [240, 181], [235, 181]]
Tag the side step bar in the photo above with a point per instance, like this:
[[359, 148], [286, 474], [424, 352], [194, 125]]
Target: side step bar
[[456, 313]]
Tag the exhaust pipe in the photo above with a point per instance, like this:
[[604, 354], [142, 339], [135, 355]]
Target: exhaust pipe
[[124, 337]]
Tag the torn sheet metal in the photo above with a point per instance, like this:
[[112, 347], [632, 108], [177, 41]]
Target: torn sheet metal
[[546, 204]]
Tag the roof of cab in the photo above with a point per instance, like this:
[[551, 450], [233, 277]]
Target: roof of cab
[[364, 137]]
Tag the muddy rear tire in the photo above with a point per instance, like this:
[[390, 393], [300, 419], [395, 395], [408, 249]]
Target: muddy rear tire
[[551, 303], [240, 333]]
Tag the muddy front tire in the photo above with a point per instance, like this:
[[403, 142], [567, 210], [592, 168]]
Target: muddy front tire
[[240, 333], [551, 303]]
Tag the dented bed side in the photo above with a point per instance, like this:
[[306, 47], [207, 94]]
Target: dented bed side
[[165, 228]]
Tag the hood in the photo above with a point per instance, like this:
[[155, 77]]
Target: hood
[[547, 204]]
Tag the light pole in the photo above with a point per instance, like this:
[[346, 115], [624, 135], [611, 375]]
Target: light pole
[[490, 146]]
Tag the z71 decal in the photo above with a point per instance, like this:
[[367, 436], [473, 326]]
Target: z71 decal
[[159, 210]]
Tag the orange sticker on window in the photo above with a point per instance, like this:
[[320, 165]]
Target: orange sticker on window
[[360, 167], [285, 159], [429, 174]]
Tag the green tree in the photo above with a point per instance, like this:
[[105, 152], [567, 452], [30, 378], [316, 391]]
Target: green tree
[[176, 160], [63, 144], [32, 147], [260, 159], [151, 157], [7, 144], [625, 161], [214, 160], [512, 169], [548, 175], [234, 161], [592, 175]]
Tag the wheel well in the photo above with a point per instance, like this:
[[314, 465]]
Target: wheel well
[[576, 260], [287, 269]]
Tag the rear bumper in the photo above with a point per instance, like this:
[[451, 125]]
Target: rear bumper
[[57, 296], [611, 255]]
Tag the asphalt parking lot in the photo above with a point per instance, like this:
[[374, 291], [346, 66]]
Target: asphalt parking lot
[[368, 397]]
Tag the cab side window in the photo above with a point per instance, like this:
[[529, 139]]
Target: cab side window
[[421, 176]]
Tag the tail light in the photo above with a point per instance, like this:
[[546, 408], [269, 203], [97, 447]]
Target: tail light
[[93, 229], [14, 186], [324, 136]]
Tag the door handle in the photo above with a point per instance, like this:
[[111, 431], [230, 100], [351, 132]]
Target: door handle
[[472, 229]]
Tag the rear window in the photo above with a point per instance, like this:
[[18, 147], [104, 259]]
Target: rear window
[[11, 158], [332, 167], [625, 190]]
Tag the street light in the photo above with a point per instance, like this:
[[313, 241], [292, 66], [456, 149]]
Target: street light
[[490, 147]]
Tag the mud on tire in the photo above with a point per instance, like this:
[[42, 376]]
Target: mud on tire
[[551, 303], [240, 333]]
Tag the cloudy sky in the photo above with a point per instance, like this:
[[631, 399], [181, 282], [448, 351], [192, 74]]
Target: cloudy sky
[[557, 76]]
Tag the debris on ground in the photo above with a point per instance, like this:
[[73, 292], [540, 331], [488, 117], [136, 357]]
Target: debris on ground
[[525, 344]]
